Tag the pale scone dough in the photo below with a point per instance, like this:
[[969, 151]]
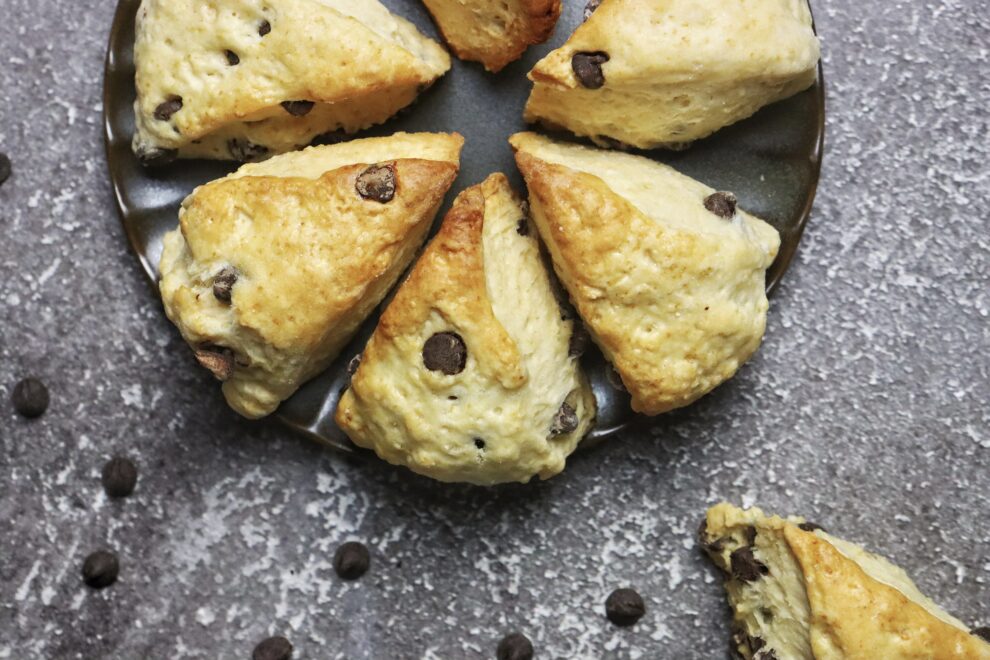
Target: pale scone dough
[[246, 79], [798, 593], [651, 73], [672, 292], [273, 268], [470, 375]]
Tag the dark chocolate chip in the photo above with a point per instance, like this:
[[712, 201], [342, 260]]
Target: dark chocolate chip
[[745, 566], [119, 477], [522, 227], [750, 535], [514, 647], [377, 183], [590, 8], [588, 68], [768, 654], [755, 643], [624, 607], [446, 352], [353, 365], [298, 108], [5, 168], [565, 421], [100, 569], [810, 527], [273, 648], [479, 443], [245, 150], [167, 108], [232, 58], [579, 341], [983, 632], [156, 156], [351, 560], [264, 28], [30, 398], [223, 284], [219, 360], [722, 204]]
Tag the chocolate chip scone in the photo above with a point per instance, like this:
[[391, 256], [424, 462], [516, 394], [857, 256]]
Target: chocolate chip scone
[[667, 274], [273, 268], [651, 73], [246, 79], [470, 375], [798, 593], [494, 33]]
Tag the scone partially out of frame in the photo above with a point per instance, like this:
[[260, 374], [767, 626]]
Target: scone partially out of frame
[[470, 374], [273, 268], [798, 593], [494, 33], [651, 73], [667, 274], [246, 79]]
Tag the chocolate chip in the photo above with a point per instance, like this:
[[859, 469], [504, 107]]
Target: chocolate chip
[[745, 566], [157, 156], [351, 560], [245, 150], [722, 204], [273, 648], [4, 167], [298, 108], [100, 569], [749, 533], [579, 341], [353, 365], [810, 527], [377, 183], [565, 421], [219, 360], [446, 352], [30, 397], [167, 108], [983, 632], [119, 477], [232, 58], [479, 443], [223, 283], [522, 227], [624, 607], [755, 643], [588, 69], [590, 8], [768, 654], [514, 647], [264, 28]]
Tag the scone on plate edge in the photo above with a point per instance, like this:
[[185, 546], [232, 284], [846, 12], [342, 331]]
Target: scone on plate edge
[[246, 79], [799, 593], [668, 275], [470, 375], [494, 33], [650, 73], [274, 267]]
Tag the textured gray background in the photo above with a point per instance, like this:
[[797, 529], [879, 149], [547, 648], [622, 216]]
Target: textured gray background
[[867, 408]]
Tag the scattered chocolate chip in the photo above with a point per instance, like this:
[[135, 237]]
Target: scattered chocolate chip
[[245, 150], [624, 607], [119, 477], [479, 443], [446, 352], [514, 647], [579, 341], [722, 204], [745, 566], [223, 284], [298, 108], [755, 643], [167, 108], [565, 421], [983, 632], [273, 648], [810, 527], [768, 654], [522, 227], [590, 8], [219, 360], [30, 398], [750, 535], [5, 168], [264, 28], [353, 365], [156, 156], [100, 569], [232, 58], [588, 68], [377, 183], [351, 560]]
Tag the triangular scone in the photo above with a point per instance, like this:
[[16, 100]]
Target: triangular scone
[[667, 274], [470, 375], [800, 594], [651, 73], [245, 79], [273, 268], [494, 33]]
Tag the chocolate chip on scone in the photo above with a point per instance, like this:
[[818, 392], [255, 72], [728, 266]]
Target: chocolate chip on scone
[[223, 284], [298, 108], [377, 183], [588, 69], [168, 107], [722, 204], [445, 352]]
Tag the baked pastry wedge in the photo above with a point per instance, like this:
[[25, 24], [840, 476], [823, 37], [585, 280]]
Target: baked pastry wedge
[[651, 73], [470, 375], [494, 33], [798, 593], [668, 275], [273, 268], [246, 79]]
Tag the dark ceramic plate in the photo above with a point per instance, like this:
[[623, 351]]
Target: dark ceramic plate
[[771, 161]]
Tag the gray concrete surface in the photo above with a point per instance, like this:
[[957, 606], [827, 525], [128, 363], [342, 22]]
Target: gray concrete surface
[[867, 408]]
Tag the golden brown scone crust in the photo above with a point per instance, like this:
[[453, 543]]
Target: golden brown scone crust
[[312, 259], [494, 33], [490, 421], [673, 295]]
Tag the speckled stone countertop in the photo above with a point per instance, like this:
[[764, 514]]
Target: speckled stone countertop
[[867, 408]]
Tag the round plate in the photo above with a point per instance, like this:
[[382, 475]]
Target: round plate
[[771, 161]]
